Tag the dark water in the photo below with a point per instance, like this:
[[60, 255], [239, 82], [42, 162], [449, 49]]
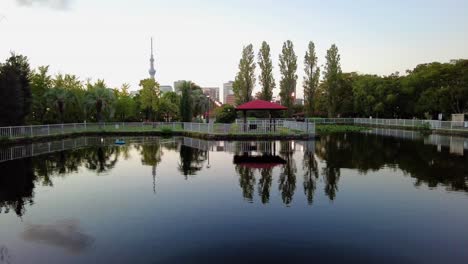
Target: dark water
[[351, 198]]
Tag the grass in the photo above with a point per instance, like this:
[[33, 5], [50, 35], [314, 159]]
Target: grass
[[328, 129]]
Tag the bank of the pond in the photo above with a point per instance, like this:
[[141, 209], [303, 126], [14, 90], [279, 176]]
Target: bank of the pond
[[337, 128], [161, 133]]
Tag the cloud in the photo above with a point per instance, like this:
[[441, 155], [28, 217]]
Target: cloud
[[66, 234], [58, 4]]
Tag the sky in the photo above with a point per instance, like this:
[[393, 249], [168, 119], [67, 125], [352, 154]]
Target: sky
[[202, 40]]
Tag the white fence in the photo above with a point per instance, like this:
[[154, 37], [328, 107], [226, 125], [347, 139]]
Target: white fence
[[395, 123], [258, 127]]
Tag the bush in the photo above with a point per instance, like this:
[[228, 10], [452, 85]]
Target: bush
[[166, 130], [226, 114]]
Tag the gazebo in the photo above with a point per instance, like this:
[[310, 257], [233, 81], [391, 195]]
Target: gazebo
[[260, 105]]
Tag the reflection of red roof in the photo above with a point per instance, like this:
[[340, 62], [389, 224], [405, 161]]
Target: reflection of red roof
[[259, 165], [260, 105]]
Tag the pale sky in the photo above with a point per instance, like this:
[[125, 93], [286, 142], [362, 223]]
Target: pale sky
[[202, 40]]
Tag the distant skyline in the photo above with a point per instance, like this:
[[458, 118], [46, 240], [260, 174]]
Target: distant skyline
[[202, 40]]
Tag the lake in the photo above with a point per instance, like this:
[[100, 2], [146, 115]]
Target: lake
[[385, 196]]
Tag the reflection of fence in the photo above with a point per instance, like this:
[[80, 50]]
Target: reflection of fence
[[248, 146], [36, 149], [261, 127], [454, 143]]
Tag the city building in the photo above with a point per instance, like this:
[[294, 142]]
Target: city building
[[177, 85], [230, 99], [212, 92], [165, 88], [227, 90], [299, 101]]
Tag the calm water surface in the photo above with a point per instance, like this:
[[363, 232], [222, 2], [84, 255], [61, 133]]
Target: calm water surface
[[347, 198]]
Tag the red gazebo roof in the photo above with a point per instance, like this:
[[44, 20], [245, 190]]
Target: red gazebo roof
[[260, 105]]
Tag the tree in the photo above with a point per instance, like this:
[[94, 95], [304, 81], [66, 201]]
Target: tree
[[311, 78], [101, 99], [149, 97], [332, 75], [125, 106], [76, 108], [15, 90], [168, 107], [266, 76], [288, 67], [226, 114], [186, 102], [59, 98], [41, 82], [245, 79]]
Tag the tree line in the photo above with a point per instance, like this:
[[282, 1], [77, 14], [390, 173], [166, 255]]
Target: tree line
[[36, 97], [424, 92]]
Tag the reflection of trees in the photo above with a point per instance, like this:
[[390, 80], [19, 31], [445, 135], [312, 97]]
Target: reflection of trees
[[151, 155], [16, 185], [191, 160], [328, 149], [371, 153], [101, 159], [287, 177], [264, 184], [246, 181], [58, 163], [311, 174]]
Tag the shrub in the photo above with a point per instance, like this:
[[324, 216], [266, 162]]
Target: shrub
[[226, 114]]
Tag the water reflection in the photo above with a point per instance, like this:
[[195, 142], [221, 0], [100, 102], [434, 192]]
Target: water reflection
[[66, 234], [191, 160], [311, 175], [263, 168], [16, 185]]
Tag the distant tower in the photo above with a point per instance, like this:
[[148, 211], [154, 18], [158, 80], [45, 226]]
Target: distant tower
[[152, 71]]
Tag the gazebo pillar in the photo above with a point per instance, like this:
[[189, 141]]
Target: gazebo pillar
[[245, 120], [270, 120]]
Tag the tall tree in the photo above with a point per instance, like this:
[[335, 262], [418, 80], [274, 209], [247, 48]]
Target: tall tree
[[332, 75], [15, 90], [245, 78], [311, 78], [125, 106], [41, 82], [149, 96], [266, 76], [58, 98], [100, 99], [186, 101], [288, 68]]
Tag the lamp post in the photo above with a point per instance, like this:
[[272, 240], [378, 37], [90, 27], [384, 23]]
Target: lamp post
[[208, 113]]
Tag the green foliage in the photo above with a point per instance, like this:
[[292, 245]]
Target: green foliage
[[166, 130], [125, 105], [58, 99], [186, 102], [311, 79], [245, 78], [323, 129], [332, 75], [226, 114], [266, 76], [15, 90], [168, 107], [41, 82], [149, 95], [100, 100], [288, 67]]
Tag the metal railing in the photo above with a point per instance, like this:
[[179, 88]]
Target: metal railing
[[391, 123], [258, 127]]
